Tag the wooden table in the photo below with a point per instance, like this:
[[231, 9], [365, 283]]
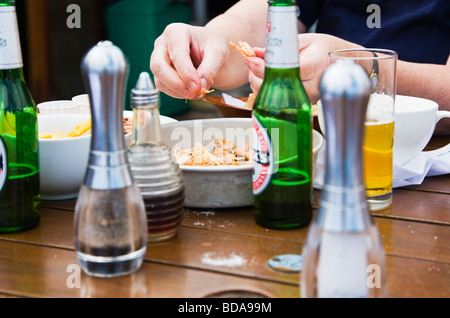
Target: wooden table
[[414, 231]]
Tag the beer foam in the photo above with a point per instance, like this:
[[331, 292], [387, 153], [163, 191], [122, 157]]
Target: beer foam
[[380, 109]]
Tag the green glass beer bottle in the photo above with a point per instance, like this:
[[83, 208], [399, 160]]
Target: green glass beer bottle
[[282, 128], [19, 157]]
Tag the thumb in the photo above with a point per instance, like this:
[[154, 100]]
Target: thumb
[[305, 40], [211, 64]]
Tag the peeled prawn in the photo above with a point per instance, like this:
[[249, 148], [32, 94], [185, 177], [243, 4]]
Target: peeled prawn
[[244, 48], [205, 91], [222, 152]]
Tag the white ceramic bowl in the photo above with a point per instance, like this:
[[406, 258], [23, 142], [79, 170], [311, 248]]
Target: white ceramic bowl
[[62, 161], [218, 186]]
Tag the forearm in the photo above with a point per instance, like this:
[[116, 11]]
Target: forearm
[[425, 80], [429, 81], [245, 21]]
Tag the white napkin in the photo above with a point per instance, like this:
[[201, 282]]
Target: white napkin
[[319, 170], [425, 164], [230, 100]]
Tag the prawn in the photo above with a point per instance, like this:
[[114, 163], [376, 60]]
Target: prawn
[[223, 152], [204, 90], [244, 48]]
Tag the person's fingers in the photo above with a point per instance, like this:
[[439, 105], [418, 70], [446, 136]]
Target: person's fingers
[[186, 94], [167, 79], [171, 62], [215, 53], [255, 82], [255, 65], [256, 68], [179, 54], [260, 52], [307, 68]]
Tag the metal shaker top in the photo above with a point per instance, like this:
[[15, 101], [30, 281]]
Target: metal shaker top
[[145, 93], [344, 92], [105, 73]]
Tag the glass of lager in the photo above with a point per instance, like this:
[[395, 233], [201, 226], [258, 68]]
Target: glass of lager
[[380, 66]]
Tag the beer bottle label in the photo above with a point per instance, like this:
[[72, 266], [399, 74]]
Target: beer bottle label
[[10, 52], [3, 164], [262, 157], [281, 38]]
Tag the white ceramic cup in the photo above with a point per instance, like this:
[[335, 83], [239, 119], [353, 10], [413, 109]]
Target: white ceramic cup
[[415, 121], [58, 107], [83, 103]]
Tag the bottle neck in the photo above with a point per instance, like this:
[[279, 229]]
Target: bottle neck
[[4, 3], [282, 36], [10, 52], [11, 74], [146, 124], [281, 2]]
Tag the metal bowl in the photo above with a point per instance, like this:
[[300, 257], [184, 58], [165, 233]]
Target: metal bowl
[[217, 186]]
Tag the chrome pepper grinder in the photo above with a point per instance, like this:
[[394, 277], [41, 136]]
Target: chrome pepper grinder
[[158, 177], [343, 255], [110, 220]]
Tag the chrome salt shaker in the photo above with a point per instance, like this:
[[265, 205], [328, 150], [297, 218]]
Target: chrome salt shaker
[[343, 255], [110, 220]]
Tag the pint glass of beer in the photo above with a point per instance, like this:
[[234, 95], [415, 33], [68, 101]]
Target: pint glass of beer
[[380, 65]]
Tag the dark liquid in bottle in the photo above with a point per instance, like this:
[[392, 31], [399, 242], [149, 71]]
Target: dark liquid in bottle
[[164, 214], [123, 259]]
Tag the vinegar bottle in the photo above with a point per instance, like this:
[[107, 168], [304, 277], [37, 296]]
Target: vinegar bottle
[[282, 129], [158, 177], [343, 255], [20, 199]]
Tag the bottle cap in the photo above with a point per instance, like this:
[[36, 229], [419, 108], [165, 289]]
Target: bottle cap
[[144, 93], [288, 263]]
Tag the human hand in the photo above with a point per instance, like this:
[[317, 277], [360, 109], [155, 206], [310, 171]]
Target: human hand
[[256, 67], [186, 58], [313, 50]]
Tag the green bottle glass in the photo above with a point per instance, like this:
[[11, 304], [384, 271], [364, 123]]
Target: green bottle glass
[[282, 129], [19, 156]]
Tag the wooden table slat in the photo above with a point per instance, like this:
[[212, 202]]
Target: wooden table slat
[[207, 236], [224, 250]]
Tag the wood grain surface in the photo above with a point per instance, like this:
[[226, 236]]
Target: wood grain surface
[[414, 233]]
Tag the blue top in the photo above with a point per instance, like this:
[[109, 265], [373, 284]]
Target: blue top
[[418, 30]]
